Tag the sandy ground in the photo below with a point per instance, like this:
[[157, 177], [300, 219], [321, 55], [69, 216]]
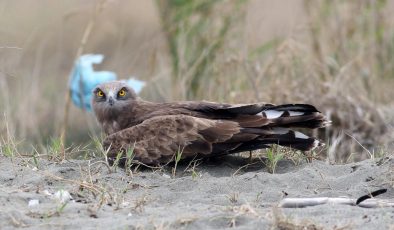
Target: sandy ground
[[217, 196]]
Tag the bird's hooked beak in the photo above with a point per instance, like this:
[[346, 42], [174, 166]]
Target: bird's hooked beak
[[111, 100]]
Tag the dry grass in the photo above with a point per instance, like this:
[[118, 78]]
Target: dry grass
[[339, 58], [284, 223]]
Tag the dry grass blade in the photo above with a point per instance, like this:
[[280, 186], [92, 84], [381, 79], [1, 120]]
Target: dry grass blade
[[81, 49], [96, 189]]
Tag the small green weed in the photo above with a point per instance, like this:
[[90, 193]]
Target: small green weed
[[129, 159], [273, 157], [178, 157], [54, 149]]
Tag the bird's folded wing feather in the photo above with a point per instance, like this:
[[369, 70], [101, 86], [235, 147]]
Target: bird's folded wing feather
[[158, 139]]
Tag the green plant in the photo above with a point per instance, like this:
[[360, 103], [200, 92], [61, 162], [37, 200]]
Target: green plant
[[178, 157], [129, 159], [35, 157], [195, 35], [7, 149], [8, 145], [273, 157], [61, 207], [116, 161], [54, 149], [98, 147], [192, 168]]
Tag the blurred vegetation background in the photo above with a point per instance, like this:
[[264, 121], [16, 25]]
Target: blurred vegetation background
[[337, 55]]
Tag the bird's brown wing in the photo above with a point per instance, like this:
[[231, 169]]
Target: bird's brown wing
[[158, 139]]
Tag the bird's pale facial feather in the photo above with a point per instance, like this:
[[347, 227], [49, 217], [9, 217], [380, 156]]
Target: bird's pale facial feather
[[111, 98]]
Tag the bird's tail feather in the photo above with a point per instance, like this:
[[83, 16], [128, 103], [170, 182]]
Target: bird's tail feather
[[287, 115], [281, 136], [264, 125], [295, 115]]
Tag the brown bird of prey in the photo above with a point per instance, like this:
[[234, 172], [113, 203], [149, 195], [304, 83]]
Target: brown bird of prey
[[155, 132]]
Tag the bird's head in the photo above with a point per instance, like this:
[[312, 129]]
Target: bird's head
[[112, 97]]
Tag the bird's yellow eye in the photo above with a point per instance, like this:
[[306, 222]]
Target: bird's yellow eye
[[100, 93], [122, 93]]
